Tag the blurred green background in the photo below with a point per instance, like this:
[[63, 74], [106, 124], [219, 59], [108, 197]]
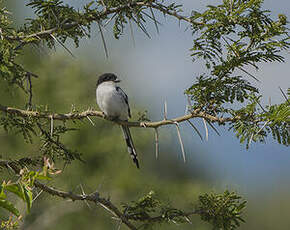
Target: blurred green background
[[66, 82]]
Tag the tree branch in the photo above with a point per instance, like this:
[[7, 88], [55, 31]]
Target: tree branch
[[162, 217], [16, 164], [93, 197], [82, 115], [173, 13], [103, 14]]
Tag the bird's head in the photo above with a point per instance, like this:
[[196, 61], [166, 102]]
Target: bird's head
[[107, 77]]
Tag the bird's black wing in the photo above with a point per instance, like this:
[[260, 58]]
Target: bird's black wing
[[125, 97]]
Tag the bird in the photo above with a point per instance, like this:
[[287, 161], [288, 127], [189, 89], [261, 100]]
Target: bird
[[114, 104]]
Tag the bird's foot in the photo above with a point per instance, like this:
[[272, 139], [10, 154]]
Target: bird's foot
[[104, 115], [143, 124]]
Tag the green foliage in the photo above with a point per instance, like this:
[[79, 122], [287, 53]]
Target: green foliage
[[10, 71], [22, 188], [51, 142], [55, 14], [9, 207], [9, 224], [210, 93], [255, 125], [142, 208], [150, 210], [238, 33], [222, 210], [229, 37], [143, 116], [50, 136], [278, 117], [16, 125]]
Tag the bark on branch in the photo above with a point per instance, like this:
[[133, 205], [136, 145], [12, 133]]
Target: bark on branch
[[90, 113], [94, 197]]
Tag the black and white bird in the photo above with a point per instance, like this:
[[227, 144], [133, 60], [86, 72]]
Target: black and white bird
[[113, 102]]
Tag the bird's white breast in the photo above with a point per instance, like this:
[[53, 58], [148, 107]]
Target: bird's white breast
[[111, 102]]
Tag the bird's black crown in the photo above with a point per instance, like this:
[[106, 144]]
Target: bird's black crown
[[107, 77]]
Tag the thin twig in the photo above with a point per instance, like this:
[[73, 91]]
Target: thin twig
[[37, 195], [90, 120], [1, 34], [261, 106], [187, 219], [206, 129], [106, 208], [165, 110], [105, 7], [110, 19], [154, 19], [250, 140], [142, 27], [149, 16], [83, 193], [262, 127], [180, 141], [28, 75], [103, 40], [156, 143], [51, 126], [214, 128], [119, 225], [254, 134], [83, 31], [251, 75], [196, 130], [240, 68], [284, 95], [132, 33], [67, 49]]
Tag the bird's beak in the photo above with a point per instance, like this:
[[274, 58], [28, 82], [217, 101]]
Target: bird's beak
[[117, 80]]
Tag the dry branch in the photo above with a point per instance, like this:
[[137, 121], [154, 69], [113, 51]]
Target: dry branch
[[90, 113]]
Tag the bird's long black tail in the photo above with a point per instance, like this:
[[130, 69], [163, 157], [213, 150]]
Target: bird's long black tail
[[130, 145]]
